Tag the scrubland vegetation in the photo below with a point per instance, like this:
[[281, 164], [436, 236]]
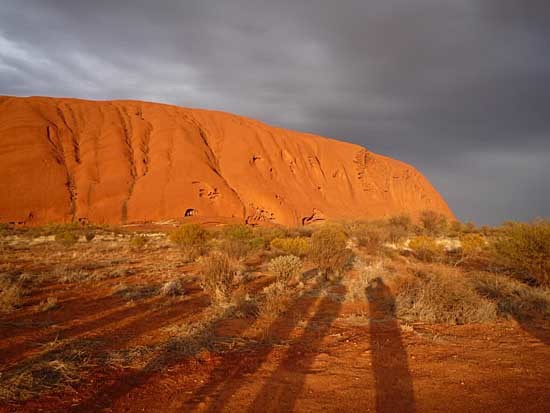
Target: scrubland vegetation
[[434, 271]]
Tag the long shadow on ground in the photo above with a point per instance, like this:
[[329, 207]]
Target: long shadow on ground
[[173, 352], [392, 378], [224, 380], [279, 395]]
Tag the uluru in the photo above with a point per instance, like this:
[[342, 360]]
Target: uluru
[[71, 160]]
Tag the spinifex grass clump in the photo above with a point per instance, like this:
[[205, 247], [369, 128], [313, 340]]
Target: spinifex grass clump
[[218, 275], [440, 295], [513, 298]]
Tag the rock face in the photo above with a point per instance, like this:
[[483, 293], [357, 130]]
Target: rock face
[[64, 160]]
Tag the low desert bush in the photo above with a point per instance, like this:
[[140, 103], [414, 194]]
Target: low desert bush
[[371, 237], [303, 231], [433, 223], [471, 246], [329, 250], [66, 238], [275, 300], [525, 249], [298, 246], [138, 242], [268, 234], [426, 248], [172, 288], [401, 221], [239, 241], [399, 228], [192, 238], [440, 295], [287, 269], [512, 297], [457, 228], [218, 274]]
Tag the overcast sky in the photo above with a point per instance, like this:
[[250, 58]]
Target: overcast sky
[[458, 88]]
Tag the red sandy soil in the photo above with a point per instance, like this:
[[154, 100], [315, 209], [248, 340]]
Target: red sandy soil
[[64, 160], [322, 355]]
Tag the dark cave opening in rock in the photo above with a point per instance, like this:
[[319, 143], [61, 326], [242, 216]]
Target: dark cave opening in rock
[[190, 212]]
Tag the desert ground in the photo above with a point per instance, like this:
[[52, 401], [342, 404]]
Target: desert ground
[[159, 319]]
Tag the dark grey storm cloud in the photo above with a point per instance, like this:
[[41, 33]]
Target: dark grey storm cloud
[[460, 89]]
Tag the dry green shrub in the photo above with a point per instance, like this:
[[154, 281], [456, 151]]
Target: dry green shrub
[[291, 246], [513, 298], [426, 248], [138, 242], [66, 238], [287, 269], [433, 223], [239, 241], [525, 249], [440, 295], [218, 275], [192, 238], [329, 250]]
